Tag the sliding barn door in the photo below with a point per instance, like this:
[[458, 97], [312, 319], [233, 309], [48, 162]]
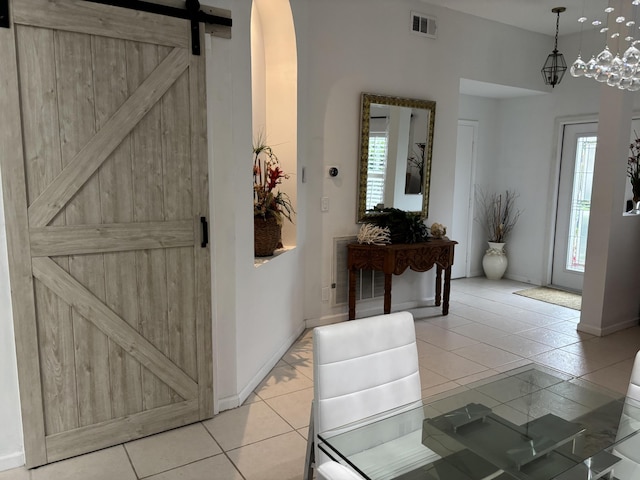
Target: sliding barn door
[[105, 183]]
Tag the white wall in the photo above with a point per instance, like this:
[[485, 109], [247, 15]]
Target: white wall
[[613, 292], [350, 55], [223, 230], [11, 446]]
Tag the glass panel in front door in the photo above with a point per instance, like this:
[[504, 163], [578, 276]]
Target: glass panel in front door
[[580, 203], [574, 203]]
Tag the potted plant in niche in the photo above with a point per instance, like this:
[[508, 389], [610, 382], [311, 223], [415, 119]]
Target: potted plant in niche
[[633, 172], [270, 206], [498, 215]]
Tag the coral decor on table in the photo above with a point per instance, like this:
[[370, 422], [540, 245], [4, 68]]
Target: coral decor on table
[[374, 235], [438, 230]]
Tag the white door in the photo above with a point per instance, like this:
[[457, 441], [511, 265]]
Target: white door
[[463, 193], [574, 204]]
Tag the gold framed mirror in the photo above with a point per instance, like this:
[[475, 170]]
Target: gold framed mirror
[[396, 146]]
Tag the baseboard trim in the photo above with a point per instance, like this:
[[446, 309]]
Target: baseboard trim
[[602, 332], [13, 460], [227, 403], [520, 278], [326, 320], [264, 371], [363, 311]]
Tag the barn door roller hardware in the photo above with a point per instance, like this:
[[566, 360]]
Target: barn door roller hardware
[[190, 12], [4, 13]]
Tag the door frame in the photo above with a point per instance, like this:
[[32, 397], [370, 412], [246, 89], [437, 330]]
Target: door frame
[[562, 277], [554, 187], [470, 211]]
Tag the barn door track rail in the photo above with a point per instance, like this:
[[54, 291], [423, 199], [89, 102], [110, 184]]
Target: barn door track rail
[[191, 12]]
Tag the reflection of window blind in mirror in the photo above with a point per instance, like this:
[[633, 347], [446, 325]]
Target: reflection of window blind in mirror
[[376, 168]]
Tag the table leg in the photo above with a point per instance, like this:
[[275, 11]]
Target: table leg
[[438, 284], [352, 293], [447, 291], [387, 293]]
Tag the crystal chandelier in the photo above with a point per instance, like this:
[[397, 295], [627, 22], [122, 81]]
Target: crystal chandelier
[[555, 66], [621, 70]]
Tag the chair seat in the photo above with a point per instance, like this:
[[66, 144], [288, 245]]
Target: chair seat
[[395, 457], [363, 368], [331, 470], [627, 468]]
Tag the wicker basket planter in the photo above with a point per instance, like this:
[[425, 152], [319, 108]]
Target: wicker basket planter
[[266, 236]]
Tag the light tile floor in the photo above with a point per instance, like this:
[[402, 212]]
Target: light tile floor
[[488, 330]]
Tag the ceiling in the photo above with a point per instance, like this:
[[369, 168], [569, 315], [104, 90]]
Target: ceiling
[[533, 15]]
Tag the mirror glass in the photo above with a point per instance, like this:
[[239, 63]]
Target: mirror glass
[[396, 145]]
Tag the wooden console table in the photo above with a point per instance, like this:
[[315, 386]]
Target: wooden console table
[[395, 259]]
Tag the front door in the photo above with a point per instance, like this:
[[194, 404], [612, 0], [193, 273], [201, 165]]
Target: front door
[[574, 204], [104, 173]]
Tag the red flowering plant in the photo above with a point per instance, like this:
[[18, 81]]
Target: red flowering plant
[[267, 175], [633, 169]]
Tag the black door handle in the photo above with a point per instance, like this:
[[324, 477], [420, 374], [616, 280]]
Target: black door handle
[[205, 232]]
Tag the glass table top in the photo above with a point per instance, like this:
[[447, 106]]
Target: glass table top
[[529, 423]]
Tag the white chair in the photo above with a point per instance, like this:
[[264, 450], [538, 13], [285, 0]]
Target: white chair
[[331, 470], [361, 368], [628, 468]]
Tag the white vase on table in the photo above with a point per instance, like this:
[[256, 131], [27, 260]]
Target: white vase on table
[[494, 261]]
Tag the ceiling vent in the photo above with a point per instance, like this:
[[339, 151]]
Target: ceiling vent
[[423, 25]]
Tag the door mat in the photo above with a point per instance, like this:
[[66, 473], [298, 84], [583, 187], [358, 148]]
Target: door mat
[[552, 295]]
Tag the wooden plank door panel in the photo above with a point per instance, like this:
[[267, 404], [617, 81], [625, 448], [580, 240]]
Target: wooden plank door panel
[[42, 163], [110, 93], [112, 182], [78, 170], [95, 19], [93, 310], [76, 114]]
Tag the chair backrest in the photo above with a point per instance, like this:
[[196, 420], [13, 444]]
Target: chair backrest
[[629, 419], [628, 468], [634, 382], [332, 470], [364, 367]]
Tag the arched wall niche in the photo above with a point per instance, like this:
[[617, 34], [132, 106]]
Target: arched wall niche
[[274, 76]]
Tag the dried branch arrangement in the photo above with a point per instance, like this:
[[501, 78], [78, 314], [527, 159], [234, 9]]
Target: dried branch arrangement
[[498, 214]]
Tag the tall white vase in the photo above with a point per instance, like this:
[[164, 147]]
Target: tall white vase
[[495, 261]]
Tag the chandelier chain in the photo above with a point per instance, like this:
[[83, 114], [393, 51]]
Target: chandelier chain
[[555, 48]]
